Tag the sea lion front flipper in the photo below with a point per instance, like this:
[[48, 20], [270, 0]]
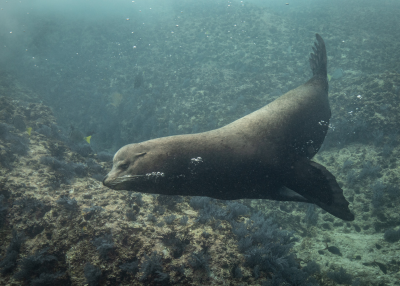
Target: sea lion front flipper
[[314, 182]]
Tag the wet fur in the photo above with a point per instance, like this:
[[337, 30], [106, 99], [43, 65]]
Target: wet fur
[[257, 156]]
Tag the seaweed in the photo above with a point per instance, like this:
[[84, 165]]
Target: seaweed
[[393, 191], [378, 137], [235, 210], [266, 247], [44, 130], [6, 159], [274, 281], [64, 169], [244, 244], [348, 163], [33, 266], [169, 219], [79, 169], [199, 262], [104, 156], [92, 274], [236, 271], [137, 198], [57, 149], [19, 123], [104, 245], [98, 177], [69, 204], [312, 268], [57, 165], [209, 212], [294, 276], [94, 167], [46, 279], [4, 130], [31, 205], [351, 177], [151, 267], [9, 262], [3, 210], [269, 258], [162, 278], [160, 224], [393, 137], [239, 229], [152, 218], [206, 235], [199, 202], [183, 220], [369, 170], [341, 276], [130, 215], [130, 267], [53, 131], [82, 149], [93, 210], [176, 244], [392, 235], [18, 145], [387, 150], [169, 201], [158, 210], [377, 193]]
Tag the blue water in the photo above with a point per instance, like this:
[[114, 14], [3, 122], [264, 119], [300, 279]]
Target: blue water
[[128, 71]]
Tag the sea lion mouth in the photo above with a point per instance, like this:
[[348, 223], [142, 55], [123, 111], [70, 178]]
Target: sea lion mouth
[[125, 181], [120, 183]]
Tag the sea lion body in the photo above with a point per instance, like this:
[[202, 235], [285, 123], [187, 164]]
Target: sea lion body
[[254, 157]]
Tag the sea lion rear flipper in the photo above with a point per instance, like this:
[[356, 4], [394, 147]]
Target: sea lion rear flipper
[[314, 182], [318, 59]]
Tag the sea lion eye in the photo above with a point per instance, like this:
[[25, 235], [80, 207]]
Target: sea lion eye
[[124, 166]]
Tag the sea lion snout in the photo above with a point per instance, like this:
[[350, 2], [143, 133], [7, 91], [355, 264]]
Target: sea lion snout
[[118, 179], [108, 181], [104, 180], [116, 182]]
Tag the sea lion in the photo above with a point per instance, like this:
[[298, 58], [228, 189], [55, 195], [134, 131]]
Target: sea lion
[[263, 155]]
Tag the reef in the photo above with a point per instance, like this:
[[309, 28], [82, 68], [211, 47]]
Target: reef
[[55, 214], [60, 226]]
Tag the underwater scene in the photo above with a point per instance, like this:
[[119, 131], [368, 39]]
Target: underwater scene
[[199, 142]]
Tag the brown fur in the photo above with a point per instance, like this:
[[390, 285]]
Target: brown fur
[[253, 157]]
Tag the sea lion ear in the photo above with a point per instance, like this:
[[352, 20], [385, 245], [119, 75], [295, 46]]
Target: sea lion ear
[[314, 182], [140, 154]]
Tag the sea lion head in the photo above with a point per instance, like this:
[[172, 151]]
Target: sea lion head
[[131, 166]]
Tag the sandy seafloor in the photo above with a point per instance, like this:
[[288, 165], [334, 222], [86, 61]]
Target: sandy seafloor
[[368, 55]]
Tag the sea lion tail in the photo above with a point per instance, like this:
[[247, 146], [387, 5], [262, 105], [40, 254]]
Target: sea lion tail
[[318, 59]]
